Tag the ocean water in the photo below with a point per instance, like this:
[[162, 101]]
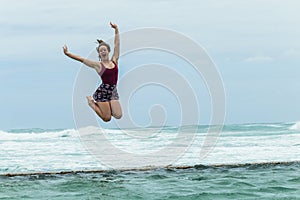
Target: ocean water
[[247, 161]]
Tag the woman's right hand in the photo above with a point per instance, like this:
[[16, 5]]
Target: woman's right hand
[[65, 48], [73, 56]]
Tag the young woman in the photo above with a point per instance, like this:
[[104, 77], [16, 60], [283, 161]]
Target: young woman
[[105, 101]]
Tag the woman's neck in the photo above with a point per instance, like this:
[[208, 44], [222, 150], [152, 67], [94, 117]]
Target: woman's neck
[[105, 60]]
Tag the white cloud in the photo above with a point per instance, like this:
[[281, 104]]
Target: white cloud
[[258, 59]]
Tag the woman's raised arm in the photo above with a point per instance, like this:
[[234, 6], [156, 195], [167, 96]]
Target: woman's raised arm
[[89, 63], [116, 53]]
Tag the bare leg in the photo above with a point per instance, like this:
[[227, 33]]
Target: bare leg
[[116, 110], [102, 109]]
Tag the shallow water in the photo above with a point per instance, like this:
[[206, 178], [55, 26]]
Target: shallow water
[[266, 181]]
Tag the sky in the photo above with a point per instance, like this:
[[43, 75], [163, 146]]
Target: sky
[[255, 46]]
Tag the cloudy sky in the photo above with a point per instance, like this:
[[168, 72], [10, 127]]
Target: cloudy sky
[[254, 44]]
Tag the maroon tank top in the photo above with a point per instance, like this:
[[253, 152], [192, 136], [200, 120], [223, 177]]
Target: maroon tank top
[[109, 76]]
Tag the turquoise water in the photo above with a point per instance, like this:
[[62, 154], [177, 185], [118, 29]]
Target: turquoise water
[[247, 182], [248, 161]]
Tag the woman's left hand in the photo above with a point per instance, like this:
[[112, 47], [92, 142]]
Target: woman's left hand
[[114, 26]]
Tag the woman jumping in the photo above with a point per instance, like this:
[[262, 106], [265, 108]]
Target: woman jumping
[[105, 101]]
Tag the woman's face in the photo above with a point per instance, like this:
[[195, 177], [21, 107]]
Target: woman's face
[[103, 51]]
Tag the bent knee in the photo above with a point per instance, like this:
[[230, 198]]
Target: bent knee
[[106, 118], [118, 116]]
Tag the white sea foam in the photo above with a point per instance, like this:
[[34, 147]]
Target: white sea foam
[[65, 149], [296, 126], [46, 151]]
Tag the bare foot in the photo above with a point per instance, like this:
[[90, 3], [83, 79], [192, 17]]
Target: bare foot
[[91, 102], [89, 98]]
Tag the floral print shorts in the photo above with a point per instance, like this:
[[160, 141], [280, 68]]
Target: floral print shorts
[[106, 92]]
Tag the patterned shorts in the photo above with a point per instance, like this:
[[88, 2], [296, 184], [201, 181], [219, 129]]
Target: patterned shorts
[[106, 92]]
